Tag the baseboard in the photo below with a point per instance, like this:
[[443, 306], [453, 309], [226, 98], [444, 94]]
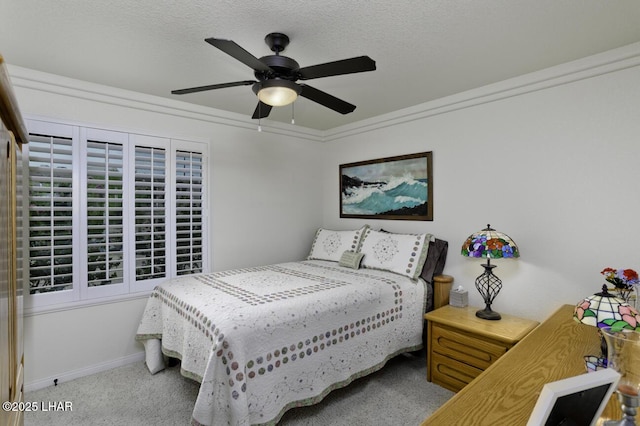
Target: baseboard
[[85, 371]]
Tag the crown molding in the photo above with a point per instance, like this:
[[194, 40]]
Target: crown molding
[[592, 66], [51, 83]]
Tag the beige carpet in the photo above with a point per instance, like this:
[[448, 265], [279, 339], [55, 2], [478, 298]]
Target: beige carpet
[[399, 394]]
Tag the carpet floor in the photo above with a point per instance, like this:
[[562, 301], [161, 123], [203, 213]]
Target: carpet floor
[[399, 394]]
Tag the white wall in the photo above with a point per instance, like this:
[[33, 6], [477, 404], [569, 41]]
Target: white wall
[[550, 161], [263, 207], [69, 344]]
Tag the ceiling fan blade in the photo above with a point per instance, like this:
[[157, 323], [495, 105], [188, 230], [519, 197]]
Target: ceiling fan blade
[[211, 87], [326, 99], [345, 66], [262, 110], [233, 49]]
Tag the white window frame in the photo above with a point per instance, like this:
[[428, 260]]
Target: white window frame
[[81, 294], [62, 296], [88, 134]]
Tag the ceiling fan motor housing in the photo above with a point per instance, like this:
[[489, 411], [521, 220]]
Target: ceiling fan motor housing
[[281, 66]]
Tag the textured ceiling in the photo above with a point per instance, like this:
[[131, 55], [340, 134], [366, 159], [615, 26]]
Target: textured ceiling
[[424, 49]]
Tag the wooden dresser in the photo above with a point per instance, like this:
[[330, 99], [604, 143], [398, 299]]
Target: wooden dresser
[[506, 392], [13, 250]]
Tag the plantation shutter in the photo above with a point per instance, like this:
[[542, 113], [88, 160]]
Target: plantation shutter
[[150, 213], [104, 192], [50, 213], [188, 196], [110, 213]]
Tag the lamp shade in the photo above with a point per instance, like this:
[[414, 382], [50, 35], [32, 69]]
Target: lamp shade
[[491, 244], [606, 310], [276, 92]]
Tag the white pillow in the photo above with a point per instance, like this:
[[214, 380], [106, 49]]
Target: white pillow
[[329, 245], [403, 254], [153, 355]]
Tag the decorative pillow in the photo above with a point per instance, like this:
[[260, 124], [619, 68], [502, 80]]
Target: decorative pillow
[[403, 254], [153, 355], [329, 245], [351, 259]]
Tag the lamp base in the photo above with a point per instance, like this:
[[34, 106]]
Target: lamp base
[[629, 405], [488, 314], [488, 286]]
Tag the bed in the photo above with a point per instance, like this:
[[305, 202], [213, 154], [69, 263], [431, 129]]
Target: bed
[[263, 340]]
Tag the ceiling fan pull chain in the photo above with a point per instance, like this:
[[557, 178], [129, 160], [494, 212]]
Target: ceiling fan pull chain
[[259, 117], [293, 119]]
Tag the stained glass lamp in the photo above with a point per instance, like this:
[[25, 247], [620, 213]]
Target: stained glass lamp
[[607, 310], [489, 244]]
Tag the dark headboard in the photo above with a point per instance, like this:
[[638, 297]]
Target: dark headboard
[[436, 259], [438, 285]]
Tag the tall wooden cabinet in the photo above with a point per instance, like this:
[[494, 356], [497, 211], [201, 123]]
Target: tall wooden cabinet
[[13, 251]]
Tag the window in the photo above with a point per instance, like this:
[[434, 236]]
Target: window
[[100, 210], [188, 212], [150, 212], [105, 248], [50, 218]]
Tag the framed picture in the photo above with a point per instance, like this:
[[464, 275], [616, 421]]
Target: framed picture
[[388, 188], [577, 400]]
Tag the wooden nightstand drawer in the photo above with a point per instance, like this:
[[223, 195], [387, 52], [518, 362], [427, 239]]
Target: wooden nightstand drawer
[[465, 347], [461, 345], [452, 374]]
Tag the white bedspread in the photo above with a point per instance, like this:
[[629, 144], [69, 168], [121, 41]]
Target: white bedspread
[[265, 339]]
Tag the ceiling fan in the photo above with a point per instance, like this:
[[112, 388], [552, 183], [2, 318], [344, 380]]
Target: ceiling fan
[[277, 75]]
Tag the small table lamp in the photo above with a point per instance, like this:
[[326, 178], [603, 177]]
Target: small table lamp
[[606, 310], [489, 244]]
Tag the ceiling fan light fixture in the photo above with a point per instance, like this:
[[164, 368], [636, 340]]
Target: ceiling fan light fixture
[[277, 92], [277, 96]]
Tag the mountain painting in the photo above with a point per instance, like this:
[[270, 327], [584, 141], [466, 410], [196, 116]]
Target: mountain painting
[[388, 188]]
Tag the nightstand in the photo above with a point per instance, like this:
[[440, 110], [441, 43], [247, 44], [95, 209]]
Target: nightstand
[[461, 345]]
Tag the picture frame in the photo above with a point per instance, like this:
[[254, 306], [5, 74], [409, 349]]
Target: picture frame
[[396, 188], [577, 400]]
